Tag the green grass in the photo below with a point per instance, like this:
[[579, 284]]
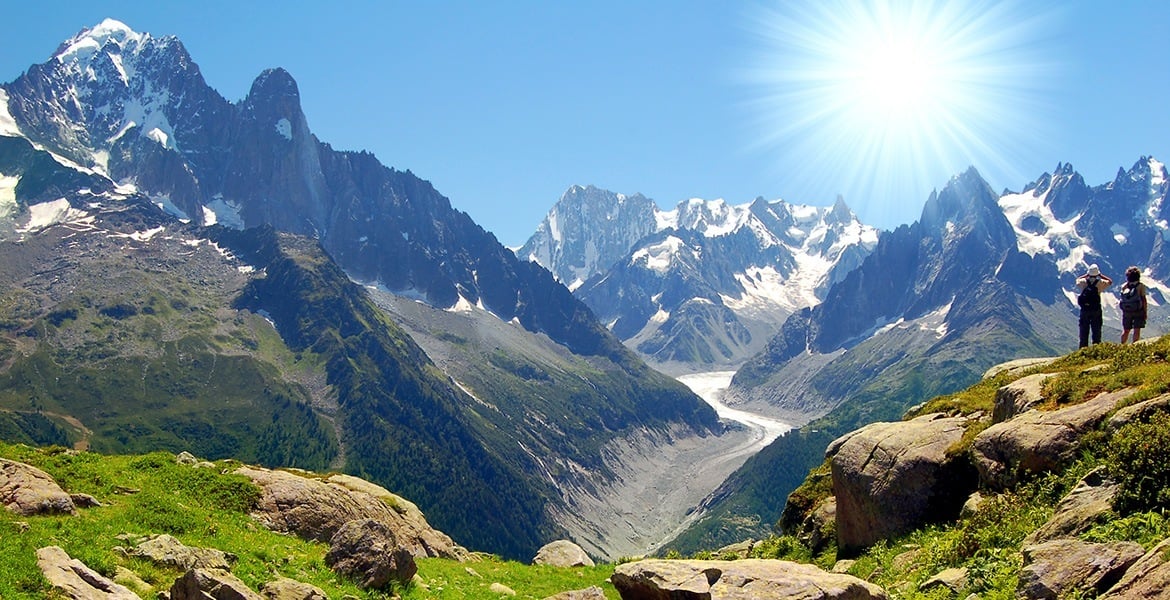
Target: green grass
[[152, 493], [988, 542]]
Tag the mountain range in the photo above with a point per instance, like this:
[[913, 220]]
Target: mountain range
[[186, 273], [703, 285]]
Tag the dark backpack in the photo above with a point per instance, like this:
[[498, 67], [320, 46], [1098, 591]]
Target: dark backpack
[[1090, 296], [1131, 300]]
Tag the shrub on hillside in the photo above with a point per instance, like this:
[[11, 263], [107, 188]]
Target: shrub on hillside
[[1138, 458]]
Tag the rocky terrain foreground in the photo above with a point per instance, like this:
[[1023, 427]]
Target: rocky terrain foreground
[[1047, 480]]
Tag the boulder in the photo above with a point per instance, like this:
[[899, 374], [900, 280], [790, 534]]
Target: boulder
[[27, 490], [590, 593], [752, 578], [1058, 568], [166, 550], [316, 510], [953, 579], [291, 589], [1037, 441], [1138, 412], [75, 580], [211, 584], [562, 553], [1018, 397], [890, 478], [500, 589], [1149, 577], [1088, 502], [1021, 364], [367, 551]]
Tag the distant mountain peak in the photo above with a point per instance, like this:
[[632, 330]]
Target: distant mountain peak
[[89, 41]]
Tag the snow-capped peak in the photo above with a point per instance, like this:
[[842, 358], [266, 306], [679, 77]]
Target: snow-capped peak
[[81, 47]]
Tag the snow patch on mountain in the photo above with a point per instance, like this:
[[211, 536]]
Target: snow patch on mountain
[[223, 212], [7, 123], [8, 195], [46, 214], [284, 128], [659, 257]]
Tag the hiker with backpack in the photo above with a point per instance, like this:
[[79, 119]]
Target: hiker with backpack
[[1132, 305], [1090, 286]]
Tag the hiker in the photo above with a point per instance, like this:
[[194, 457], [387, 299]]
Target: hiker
[[1132, 305], [1090, 286]]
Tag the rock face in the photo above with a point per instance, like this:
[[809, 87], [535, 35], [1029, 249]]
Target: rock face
[[1037, 441], [76, 580], [367, 551], [290, 589], [889, 478], [1149, 577], [562, 553], [27, 490], [1079, 510], [1053, 569], [211, 584], [1018, 397], [752, 578], [316, 510], [166, 550]]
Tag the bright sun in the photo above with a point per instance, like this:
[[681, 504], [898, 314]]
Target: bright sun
[[889, 98]]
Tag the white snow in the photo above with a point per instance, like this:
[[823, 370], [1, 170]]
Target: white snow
[[85, 45], [658, 257], [51, 213], [660, 317], [1120, 233], [223, 212], [159, 136], [462, 306], [284, 128], [140, 236], [165, 204], [7, 122], [1019, 207], [8, 195]]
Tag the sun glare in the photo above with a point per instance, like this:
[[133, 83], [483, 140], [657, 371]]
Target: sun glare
[[885, 100]]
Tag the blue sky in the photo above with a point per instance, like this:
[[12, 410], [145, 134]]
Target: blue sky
[[504, 105]]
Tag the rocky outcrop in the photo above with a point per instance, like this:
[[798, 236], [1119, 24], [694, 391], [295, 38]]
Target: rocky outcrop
[[1149, 577], [27, 490], [368, 552], [1138, 412], [1059, 567], [291, 589], [589, 593], [211, 584], [316, 510], [751, 578], [889, 478], [562, 553], [166, 550], [1089, 501], [77, 581], [1018, 397], [1037, 441]]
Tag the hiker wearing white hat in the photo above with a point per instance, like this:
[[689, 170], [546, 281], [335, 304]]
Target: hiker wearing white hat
[[1089, 288]]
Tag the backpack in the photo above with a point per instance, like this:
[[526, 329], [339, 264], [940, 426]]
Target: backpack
[[1090, 297], [1131, 300]]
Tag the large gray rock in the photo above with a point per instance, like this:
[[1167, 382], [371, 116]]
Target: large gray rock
[[562, 553], [1139, 412], [211, 584], [367, 551], [890, 478], [1037, 441], [1149, 577], [27, 490], [752, 578], [1018, 397], [291, 589], [316, 510], [166, 550], [589, 593], [1087, 503], [75, 580], [1061, 567]]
